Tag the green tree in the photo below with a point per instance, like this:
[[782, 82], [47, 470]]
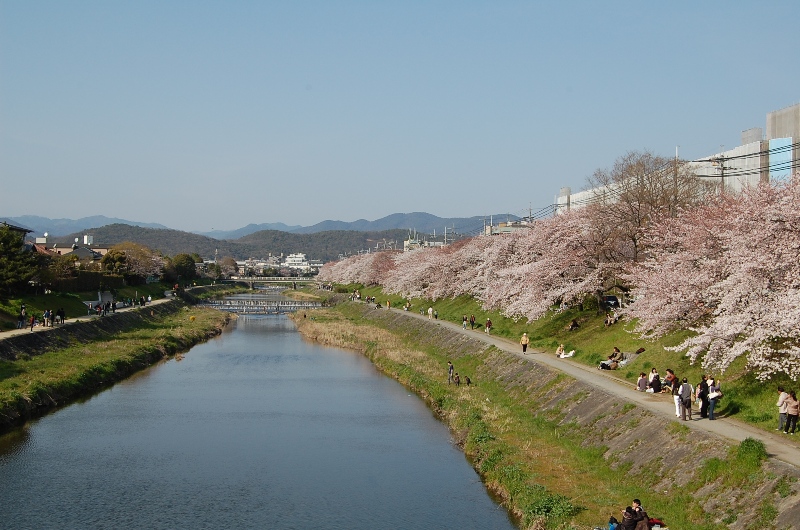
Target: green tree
[[214, 271], [184, 265], [17, 264], [59, 269]]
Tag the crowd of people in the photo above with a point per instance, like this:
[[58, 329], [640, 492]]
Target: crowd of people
[[48, 319], [705, 395]]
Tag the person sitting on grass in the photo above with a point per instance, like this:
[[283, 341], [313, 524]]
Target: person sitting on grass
[[609, 364], [641, 384], [654, 386]]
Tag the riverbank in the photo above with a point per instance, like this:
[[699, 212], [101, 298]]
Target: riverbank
[[51, 367], [559, 451]]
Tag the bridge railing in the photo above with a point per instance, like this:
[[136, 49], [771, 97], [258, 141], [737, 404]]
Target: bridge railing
[[281, 279]]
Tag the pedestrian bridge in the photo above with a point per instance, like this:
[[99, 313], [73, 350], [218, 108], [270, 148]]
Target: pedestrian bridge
[[260, 307], [269, 279]]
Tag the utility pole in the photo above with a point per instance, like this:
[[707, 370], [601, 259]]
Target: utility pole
[[674, 206], [722, 167]]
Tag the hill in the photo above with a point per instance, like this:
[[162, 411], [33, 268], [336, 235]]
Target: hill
[[420, 221], [325, 246], [63, 227], [249, 229]]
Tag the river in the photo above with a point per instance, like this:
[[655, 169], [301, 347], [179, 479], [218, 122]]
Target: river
[[254, 429]]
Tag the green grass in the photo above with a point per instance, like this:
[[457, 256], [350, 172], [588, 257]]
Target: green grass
[[746, 398]]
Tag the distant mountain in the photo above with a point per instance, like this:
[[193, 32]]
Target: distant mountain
[[62, 227], [423, 223], [249, 229], [325, 246]]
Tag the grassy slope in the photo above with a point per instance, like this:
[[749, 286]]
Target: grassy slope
[[746, 398]]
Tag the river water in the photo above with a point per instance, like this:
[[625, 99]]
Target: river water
[[254, 429]]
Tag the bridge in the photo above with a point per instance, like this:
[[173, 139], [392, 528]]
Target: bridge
[[260, 307], [270, 279]]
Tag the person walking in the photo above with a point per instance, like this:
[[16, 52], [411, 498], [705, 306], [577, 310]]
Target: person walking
[[674, 386], [430, 313], [464, 322], [702, 395], [782, 407], [713, 395], [524, 341], [792, 412], [449, 372], [488, 327], [685, 392]]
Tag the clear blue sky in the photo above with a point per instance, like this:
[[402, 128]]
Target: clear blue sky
[[202, 115]]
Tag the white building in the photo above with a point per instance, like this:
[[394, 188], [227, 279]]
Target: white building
[[297, 261], [760, 158]]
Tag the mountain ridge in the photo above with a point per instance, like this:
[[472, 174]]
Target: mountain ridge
[[420, 221], [325, 246]]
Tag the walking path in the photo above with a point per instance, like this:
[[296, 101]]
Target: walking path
[[779, 446], [40, 328]]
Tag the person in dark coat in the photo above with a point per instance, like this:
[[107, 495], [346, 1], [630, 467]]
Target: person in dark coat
[[629, 520], [642, 519], [655, 384], [702, 395]]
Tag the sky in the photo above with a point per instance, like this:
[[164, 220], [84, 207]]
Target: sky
[[204, 115]]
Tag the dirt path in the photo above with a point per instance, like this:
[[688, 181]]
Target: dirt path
[[779, 446]]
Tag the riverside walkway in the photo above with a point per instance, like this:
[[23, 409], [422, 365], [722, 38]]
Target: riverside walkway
[[82, 318], [779, 446]]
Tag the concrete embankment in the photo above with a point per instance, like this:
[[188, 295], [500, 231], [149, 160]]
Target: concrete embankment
[[31, 397], [661, 456]]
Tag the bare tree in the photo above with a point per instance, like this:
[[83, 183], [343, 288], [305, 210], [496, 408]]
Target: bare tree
[[639, 188]]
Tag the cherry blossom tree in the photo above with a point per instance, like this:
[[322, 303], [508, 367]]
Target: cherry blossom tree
[[368, 269], [564, 259], [728, 271]]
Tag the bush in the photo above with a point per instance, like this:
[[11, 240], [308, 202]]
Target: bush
[[751, 451]]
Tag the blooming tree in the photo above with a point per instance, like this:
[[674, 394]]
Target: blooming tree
[[728, 271]]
